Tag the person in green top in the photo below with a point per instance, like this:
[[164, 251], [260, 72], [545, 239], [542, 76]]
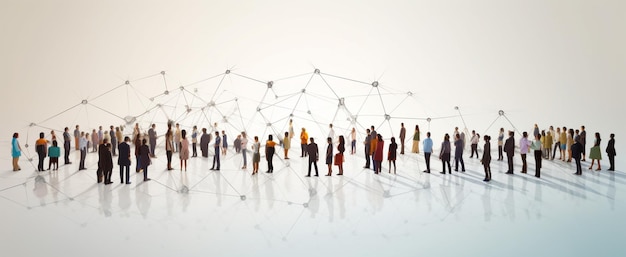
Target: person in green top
[[416, 140], [54, 152]]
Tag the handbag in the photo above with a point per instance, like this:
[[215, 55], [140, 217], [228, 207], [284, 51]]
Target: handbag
[[338, 158]]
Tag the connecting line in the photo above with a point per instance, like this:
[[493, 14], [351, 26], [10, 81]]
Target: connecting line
[[56, 115], [365, 101], [339, 77], [462, 119], [329, 87], [218, 86], [115, 88], [106, 111], [304, 90], [507, 118], [400, 103], [164, 81], [246, 77], [146, 77], [497, 118]]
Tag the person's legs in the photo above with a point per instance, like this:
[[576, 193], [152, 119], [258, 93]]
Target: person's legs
[[427, 157]]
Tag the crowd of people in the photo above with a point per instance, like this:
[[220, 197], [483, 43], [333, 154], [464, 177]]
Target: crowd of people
[[569, 143]]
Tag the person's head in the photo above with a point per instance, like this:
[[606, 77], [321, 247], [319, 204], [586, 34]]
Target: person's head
[[551, 127], [286, 134], [368, 131], [330, 125], [312, 140], [487, 138], [558, 129], [183, 133], [501, 129], [446, 137], [417, 127], [54, 143], [217, 134], [238, 136], [597, 135], [303, 129], [341, 139], [77, 126], [428, 134], [117, 129], [177, 125], [290, 121], [66, 129], [353, 129], [243, 133], [457, 136], [144, 141], [105, 141], [195, 127], [582, 127], [329, 140], [564, 129], [126, 139], [203, 130], [380, 137], [372, 127], [86, 135], [612, 136], [112, 127], [270, 137], [538, 136], [511, 133], [393, 139], [41, 134], [577, 132], [100, 127], [16, 135], [256, 138], [536, 126], [524, 134], [543, 132], [473, 132]]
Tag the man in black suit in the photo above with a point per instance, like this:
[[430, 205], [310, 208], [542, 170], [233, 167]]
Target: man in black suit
[[205, 139], [577, 150], [313, 153], [610, 151], [124, 160], [105, 162], [509, 148]]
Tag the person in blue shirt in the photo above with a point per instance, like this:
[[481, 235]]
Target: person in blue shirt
[[16, 152], [428, 150], [216, 157], [54, 152]]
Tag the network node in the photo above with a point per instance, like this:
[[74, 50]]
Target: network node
[[184, 190], [159, 105], [236, 99], [428, 119], [32, 124], [375, 84], [304, 90], [227, 72], [501, 112], [211, 103], [287, 164], [182, 88], [409, 93], [225, 119], [317, 71], [127, 82], [84, 102], [309, 111], [195, 90], [270, 84], [258, 109], [387, 117], [151, 99], [269, 124], [26, 145], [456, 108], [129, 119], [188, 109], [386, 194], [30, 159], [291, 115], [162, 72], [342, 101], [166, 92], [242, 197], [306, 205]]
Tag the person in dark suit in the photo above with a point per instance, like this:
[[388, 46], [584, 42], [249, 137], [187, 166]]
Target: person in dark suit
[[368, 138], [577, 150], [610, 151], [66, 145], [114, 142], [329, 156], [123, 159], [216, 157], [486, 160], [105, 162], [205, 138], [144, 153], [509, 148], [458, 153], [313, 153]]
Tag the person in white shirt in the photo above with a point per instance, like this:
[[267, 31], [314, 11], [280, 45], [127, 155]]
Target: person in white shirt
[[475, 139]]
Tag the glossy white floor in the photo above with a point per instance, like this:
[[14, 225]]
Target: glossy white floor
[[231, 213]]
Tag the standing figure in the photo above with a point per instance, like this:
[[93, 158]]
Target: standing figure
[[556, 136], [114, 141], [524, 148], [66, 145], [378, 154], [177, 136], [224, 143], [152, 136], [577, 150], [402, 137], [237, 144], [169, 146], [509, 149], [41, 146], [486, 160], [184, 150], [391, 155], [500, 144], [595, 154], [137, 144], [95, 141], [367, 144], [244, 149], [329, 156], [570, 142], [16, 152], [428, 150], [536, 146], [474, 141], [373, 144], [205, 139], [82, 143], [353, 141], [119, 135], [563, 142], [105, 162], [123, 160], [286, 145], [583, 141], [256, 155], [313, 153], [341, 147], [416, 140], [269, 153], [144, 153], [216, 147], [610, 152], [54, 152], [547, 145], [194, 141], [291, 132], [77, 137], [444, 154], [304, 138], [331, 133], [458, 154]]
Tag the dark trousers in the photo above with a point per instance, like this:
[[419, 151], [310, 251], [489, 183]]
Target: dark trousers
[[509, 160], [195, 151], [138, 166], [524, 166], [270, 158], [612, 162], [557, 145], [169, 158], [579, 167], [145, 173], [244, 153], [107, 175], [367, 156], [312, 162], [122, 168], [487, 170], [216, 159], [456, 163], [474, 150], [113, 147], [500, 156], [303, 149], [401, 146], [538, 158], [83, 153], [427, 158], [152, 146], [42, 157], [445, 158], [66, 147]]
